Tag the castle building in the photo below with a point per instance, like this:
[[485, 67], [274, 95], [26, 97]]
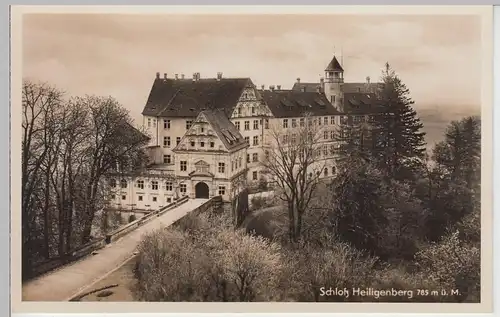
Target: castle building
[[208, 136]]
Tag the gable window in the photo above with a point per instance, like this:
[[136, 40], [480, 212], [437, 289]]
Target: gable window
[[140, 184], [222, 167], [166, 141], [266, 123], [202, 129], [285, 123], [325, 120], [239, 161], [212, 144], [301, 122], [332, 99], [247, 139], [167, 159], [192, 144], [222, 190], [189, 123], [154, 123], [183, 166], [178, 140], [154, 185], [247, 125], [332, 120], [123, 183], [294, 123], [239, 111], [255, 140], [202, 144], [255, 157], [149, 122], [168, 186], [255, 124], [326, 171], [183, 188], [332, 135], [325, 135], [325, 150], [237, 125], [253, 110], [166, 124]]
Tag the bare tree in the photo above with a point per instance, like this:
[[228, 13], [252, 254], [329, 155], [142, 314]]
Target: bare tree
[[293, 159]]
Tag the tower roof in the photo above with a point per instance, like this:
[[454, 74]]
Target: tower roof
[[334, 65]]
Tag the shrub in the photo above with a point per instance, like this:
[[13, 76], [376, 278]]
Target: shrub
[[258, 202]]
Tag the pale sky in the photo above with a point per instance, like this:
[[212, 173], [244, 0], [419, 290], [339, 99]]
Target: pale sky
[[438, 57]]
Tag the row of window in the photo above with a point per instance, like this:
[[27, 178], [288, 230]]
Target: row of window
[[236, 164], [256, 123], [182, 189], [140, 184], [167, 123], [301, 122], [255, 140]]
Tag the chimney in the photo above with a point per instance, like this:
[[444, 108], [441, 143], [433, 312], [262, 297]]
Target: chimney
[[298, 80], [322, 83], [219, 76], [367, 79], [279, 87], [182, 76], [194, 76], [271, 87], [164, 76], [176, 76], [318, 89], [303, 89], [263, 87], [157, 75]]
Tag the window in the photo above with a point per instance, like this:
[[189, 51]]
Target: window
[[183, 166], [254, 175], [325, 150], [248, 158], [319, 121], [255, 157], [325, 135], [239, 161], [183, 188], [253, 110], [343, 120], [294, 138], [332, 149], [112, 183], [247, 125], [202, 144], [239, 111], [285, 123], [154, 122], [192, 143], [124, 197], [178, 140], [222, 167], [154, 198], [266, 123], [255, 124], [212, 144], [285, 139], [266, 153], [222, 190], [332, 135], [123, 183], [149, 122], [325, 171], [166, 124], [166, 141], [301, 122], [139, 198], [332, 120], [154, 185], [232, 166], [247, 139], [332, 99], [202, 129], [256, 140], [189, 123], [237, 125], [168, 186], [169, 200], [333, 170], [167, 159], [113, 197], [294, 123], [325, 120], [140, 184]]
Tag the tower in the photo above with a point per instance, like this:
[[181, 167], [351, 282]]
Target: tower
[[334, 78]]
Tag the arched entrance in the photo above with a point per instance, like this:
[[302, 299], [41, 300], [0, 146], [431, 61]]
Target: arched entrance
[[201, 190]]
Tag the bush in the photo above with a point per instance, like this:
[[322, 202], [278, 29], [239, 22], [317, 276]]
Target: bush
[[258, 203]]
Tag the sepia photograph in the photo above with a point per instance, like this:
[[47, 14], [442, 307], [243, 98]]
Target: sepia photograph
[[253, 156]]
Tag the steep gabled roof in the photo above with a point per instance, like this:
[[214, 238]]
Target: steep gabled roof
[[361, 103], [291, 103], [187, 98], [309, 87], [360, 87], [334, 65]]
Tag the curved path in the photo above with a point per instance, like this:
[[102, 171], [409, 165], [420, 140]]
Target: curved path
[[68, 281]]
